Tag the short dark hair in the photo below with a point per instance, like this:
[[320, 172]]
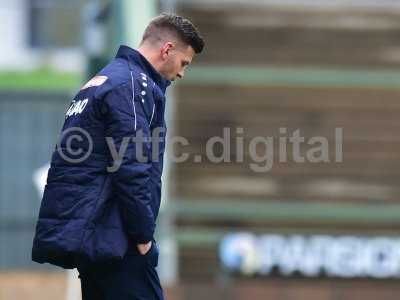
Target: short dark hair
[[182, 27]]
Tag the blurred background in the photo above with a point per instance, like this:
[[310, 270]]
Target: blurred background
[[326, 230]]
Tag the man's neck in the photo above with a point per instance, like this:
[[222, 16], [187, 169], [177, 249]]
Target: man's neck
[[150, 56]]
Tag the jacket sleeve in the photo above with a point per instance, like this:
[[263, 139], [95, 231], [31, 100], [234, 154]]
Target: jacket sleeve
[[125, 120]]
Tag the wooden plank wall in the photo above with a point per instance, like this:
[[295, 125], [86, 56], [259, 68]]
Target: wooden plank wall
[[371, 156], [368, 116]]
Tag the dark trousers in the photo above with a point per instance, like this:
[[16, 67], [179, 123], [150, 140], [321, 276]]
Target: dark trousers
[[133, 278]]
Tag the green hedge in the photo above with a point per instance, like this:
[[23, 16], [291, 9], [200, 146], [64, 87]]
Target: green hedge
[[39, 80]]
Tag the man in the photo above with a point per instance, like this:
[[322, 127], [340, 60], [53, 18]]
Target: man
[[103, 190]]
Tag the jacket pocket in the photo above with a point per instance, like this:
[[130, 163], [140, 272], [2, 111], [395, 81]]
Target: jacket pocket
[[104, 237], [62, 200]]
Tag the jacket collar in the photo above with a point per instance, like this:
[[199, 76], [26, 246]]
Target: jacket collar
[[135, 58]]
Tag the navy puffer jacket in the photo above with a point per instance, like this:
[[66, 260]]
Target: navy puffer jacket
[[95, 205]]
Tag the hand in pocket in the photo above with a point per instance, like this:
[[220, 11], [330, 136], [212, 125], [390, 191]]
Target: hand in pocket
[[144, 248]]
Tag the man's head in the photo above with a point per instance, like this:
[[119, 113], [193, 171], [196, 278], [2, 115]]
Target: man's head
[[170, 43]]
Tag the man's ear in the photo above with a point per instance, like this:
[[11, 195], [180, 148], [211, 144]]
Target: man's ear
[[166, 50]]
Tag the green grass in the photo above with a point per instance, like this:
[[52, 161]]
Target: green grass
[[39, 80]]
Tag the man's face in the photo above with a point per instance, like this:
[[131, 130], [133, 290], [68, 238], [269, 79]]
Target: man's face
[[176, 59]]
